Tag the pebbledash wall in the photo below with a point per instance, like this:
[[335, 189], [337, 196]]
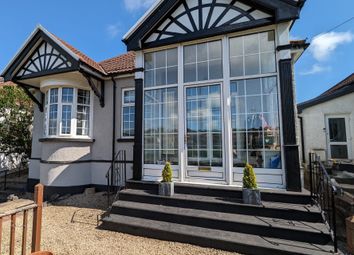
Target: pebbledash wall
[[70, 165], [314, 125]]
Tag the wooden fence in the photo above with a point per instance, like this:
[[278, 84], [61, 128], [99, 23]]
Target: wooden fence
[[37, 207]]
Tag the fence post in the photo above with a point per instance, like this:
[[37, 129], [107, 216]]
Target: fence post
[[37, 218]]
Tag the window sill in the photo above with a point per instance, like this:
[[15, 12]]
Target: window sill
[[66, 139], [125, 140]]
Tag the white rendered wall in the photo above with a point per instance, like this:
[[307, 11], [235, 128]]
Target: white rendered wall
[[314, 123]]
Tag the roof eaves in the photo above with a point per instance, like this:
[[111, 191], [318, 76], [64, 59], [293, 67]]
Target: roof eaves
[[324, 98]]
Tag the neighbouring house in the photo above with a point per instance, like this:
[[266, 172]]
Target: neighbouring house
[[327, 122], [206, 86]]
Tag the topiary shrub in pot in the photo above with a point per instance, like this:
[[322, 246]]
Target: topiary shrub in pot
[[250, 192], [166, 186]]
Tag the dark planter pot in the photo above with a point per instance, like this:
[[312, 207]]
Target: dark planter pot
[[251, 196], [166, 189]]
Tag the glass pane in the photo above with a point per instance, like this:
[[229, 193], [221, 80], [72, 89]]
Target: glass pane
[[268, 62], [272, 159], [161, 77], [190, 72], [267, 41], [53, 119], [190, 55], [129, 97], [240, 158], [66, 119], [256, 133], [215, 51], [172, 57], [202, 69], [252, 64], [160, 59], [339, 151], [160, 131], [67, 95], [236, 66], [253, 87], [149, 79], [83, 97], [254, 104], [172, 75], [251, 43], [236, 47], [202, 52], [337, 130], [269, 85], [54, 96], [256, 158], [215, 69], [149, 61], [238, 88], [204, 129], [83, 120]]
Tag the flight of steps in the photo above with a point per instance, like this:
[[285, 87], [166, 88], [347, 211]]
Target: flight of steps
[[215, 217]]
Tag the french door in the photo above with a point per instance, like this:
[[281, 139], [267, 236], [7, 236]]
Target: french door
[[338, 137], [204, 133]]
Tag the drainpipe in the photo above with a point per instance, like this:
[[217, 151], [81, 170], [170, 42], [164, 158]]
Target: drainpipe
[[302, 139], [114, 120]]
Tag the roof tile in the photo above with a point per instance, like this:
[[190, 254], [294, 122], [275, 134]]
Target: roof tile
[[120, 64]]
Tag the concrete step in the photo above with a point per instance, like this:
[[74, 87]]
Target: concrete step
[[224, 191], [269, 227], [207, 237], [285, 211], [348, 188], [343, 180]]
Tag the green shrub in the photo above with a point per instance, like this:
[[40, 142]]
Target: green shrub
[[167, 173], [249, 178]]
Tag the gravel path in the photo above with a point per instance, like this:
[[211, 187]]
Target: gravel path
[[70, 227]]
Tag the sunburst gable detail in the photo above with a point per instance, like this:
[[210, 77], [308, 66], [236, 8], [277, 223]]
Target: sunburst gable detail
[[45, 58], [199, 15]]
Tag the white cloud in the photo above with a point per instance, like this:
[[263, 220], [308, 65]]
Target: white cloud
[[323, 45], [113, 30], [315, 69], [134, 5]]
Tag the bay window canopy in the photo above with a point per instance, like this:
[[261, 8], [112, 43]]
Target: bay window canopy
[[45, 55], [170, 21]]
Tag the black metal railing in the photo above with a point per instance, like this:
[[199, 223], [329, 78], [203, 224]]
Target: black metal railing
[[323, 192], [116, 176]]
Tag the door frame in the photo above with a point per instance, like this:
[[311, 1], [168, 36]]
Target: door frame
[[186, 167], [346, 117]]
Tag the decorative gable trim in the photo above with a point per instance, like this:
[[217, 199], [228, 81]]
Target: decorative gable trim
[[40, 56], [177, 21], [45, 60], [197, 15]]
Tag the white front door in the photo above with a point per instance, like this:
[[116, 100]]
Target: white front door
[[337, 131], [204, 133]]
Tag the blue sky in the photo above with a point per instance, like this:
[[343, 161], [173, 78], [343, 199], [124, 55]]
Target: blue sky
[[96, 28]]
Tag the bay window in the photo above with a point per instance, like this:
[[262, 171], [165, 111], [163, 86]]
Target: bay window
[[67, 112]]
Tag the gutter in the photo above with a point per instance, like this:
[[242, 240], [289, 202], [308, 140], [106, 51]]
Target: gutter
[[302, 139]]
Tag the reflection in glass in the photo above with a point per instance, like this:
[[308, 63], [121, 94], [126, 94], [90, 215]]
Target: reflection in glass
[[204, 128], [255, 123]]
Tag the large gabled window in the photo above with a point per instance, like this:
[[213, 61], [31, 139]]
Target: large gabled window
[[67, 112]]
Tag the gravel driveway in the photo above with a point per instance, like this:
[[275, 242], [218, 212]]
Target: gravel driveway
[[70, 227]]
